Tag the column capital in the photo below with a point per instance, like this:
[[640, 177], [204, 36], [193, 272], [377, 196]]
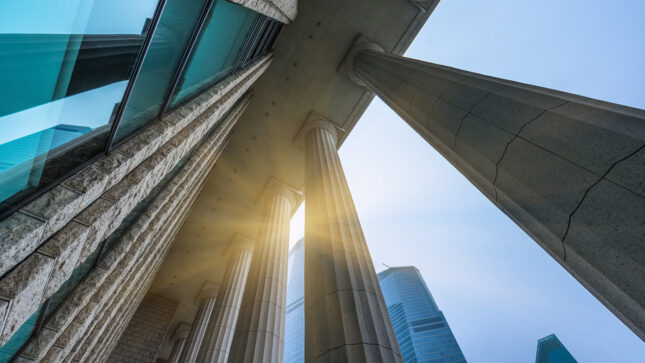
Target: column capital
[[181, 331], [209, 289], [239, 242], [274, 186], [316, 121], [362, 43]]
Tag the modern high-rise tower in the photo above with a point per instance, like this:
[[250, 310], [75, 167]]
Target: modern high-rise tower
[[294, 338], [420, 327], [551, 350]]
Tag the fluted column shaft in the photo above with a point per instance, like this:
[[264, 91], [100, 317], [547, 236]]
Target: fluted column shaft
[[219, 334], [346, 318], [177, 349], [198, 329], [180, 337], [259, 335], [567, 169]]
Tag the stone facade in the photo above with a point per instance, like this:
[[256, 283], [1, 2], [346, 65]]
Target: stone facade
[[141, 162], [284, 11], [146, 330]]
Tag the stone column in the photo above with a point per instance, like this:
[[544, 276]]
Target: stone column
[[219, 334], [567, 169], [206, 299], [259, 335], [346, 318], [180, 337]]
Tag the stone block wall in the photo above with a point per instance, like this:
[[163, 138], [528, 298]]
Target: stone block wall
[[146, 330], [284, 11], [36, 269]]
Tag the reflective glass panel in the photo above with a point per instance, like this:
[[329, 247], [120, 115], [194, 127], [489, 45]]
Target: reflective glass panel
[[219, 42], [169, 42], [64, 65]]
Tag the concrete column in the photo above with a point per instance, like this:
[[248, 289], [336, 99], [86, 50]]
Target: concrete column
[[206, 299], [567, 169], [259, 335], [180, 337], [219, 334], [346, 318]]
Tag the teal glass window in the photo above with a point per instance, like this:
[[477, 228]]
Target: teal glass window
[[20, 337], [64, 65], [168, 45], [219, 42]]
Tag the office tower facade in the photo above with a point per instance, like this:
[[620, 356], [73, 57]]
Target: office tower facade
[[421, 329], [201, 125], [294, 342], [551, 350]]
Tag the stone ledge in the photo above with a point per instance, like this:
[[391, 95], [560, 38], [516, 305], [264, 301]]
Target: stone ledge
[[50, 212]]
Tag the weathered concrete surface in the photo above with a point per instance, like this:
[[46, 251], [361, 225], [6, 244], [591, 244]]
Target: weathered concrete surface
[[346, 318], [259, 334], [567, 169]]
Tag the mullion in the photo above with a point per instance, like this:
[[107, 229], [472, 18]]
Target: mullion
[[187, 52], [135, 73], [247, 43]]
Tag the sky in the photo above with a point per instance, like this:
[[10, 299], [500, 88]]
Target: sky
[[499, 291]]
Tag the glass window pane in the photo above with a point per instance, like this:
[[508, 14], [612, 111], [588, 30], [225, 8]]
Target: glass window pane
[[169, 42], [63, 66], [20, 337], [219, 42]]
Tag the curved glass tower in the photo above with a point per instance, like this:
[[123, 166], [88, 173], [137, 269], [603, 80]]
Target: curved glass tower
[[420, 327]]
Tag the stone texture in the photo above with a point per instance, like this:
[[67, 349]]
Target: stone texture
[[596, 249], [24, 287], [116, 165], [259, 335], [99, 216], [630, 173], [57, 207], [75, 308], [102, 323], [146, 330], [535, 153], [65, 246], [344, 308], [219, 334], [19, 236], [90, 182], [282, 10]]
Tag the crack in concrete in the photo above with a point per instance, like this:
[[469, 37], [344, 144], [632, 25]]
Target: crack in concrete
[[461, 122], [517, 134], [584, 196]]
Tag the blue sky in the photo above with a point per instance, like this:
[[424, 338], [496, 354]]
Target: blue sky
[[498, 289]]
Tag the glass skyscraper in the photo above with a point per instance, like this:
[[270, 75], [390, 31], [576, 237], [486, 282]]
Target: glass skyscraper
[[294, 340], [420, 327], [551, 350]]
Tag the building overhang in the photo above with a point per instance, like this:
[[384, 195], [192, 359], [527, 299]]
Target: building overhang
[[303, 78]]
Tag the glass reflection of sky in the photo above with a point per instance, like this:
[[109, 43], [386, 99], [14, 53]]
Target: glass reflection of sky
[[91, 108], [75, 16]]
